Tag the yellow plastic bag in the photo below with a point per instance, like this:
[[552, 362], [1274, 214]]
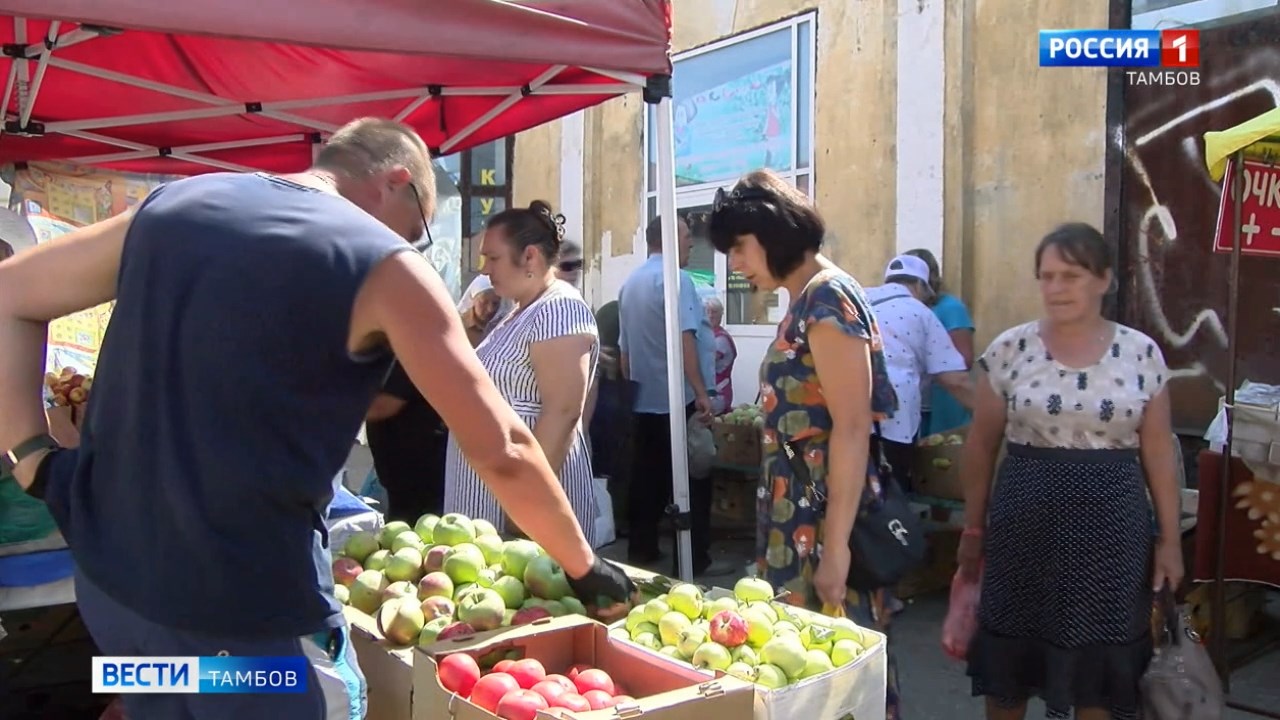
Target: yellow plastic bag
[[836, 611]]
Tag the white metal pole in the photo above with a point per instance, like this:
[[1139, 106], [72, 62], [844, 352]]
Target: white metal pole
[[675, 355]]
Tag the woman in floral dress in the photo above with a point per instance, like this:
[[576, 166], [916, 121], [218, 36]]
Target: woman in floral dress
[[823, 386]]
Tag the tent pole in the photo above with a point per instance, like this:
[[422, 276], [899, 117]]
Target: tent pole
[[1218, 616], [675, 355]]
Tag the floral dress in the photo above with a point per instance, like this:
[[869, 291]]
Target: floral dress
[[789, 529]]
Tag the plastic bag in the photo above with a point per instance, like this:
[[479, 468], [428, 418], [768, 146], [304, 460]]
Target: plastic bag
[[372, 492], [962, 615], [606, 531], [702, 448]]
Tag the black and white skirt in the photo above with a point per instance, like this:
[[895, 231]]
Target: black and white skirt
[[1066, 591]]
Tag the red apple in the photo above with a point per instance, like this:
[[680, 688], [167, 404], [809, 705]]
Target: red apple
[[528, 615], [574, 670], [563, 682], [549, 690], [528, 672], [573, 701], [593, 679], [520, 705], [345, 570], [728, 628], [503, 665], [491, 688], [458, 629], [459, 673], [598, 699]]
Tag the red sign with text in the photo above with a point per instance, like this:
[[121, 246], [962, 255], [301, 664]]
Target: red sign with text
[[1259, 212]]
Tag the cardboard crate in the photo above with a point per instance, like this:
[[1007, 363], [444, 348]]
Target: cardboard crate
[[733, 501], [937, 466], [664, 689], [857, 689], [737, 445], [388, 669]]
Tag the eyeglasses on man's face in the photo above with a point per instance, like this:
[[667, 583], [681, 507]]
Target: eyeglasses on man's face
[[425, 231]]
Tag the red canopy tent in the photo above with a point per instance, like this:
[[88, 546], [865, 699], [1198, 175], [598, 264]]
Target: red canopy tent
[[167, 86]]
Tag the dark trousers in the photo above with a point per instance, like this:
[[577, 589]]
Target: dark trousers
[[901, 456], [412, 494], [649, 492]]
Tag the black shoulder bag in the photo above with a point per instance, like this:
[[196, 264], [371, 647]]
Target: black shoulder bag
[[887, 541]]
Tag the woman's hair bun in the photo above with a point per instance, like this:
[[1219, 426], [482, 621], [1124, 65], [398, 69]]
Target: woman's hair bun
[[554, 220]]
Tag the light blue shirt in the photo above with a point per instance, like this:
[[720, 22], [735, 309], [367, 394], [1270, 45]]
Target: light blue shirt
[[945, 412], [642, 335]]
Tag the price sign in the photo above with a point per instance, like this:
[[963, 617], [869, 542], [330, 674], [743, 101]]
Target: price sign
[[1259, 211]]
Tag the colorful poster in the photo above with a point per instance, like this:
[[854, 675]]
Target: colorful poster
[[736, 126], [56, 199]]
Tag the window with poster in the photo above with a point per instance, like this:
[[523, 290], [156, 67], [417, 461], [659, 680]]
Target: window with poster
[[483, 177], [740, 103]]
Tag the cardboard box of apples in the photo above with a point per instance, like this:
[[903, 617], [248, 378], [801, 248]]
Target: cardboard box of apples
[[937, 465], [564, 667], [737, 435], [804, 664]]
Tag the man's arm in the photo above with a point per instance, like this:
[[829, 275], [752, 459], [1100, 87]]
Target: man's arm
[[944, 363], [404, 302], [690, 316], [72, 273]]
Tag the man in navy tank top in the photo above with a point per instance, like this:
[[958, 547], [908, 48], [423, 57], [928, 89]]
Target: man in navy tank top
[[256, 316]]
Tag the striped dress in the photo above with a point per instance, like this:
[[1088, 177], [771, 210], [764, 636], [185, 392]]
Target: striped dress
[[558, 312]]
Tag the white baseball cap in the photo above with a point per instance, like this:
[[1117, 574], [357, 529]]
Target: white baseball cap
[[908, 265]]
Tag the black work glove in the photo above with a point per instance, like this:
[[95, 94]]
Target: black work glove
[[605, 587]]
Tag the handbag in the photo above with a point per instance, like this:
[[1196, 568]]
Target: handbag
[[1180, 682], [887, 541]]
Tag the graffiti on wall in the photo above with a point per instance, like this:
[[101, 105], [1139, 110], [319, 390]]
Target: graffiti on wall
[[1177, 288]]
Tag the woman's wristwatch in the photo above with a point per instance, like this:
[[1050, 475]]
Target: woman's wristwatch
[[24, 449]]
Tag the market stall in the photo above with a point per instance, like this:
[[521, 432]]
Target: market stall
[[1241, 490]]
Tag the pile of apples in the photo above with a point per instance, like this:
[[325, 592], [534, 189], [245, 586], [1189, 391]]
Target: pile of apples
[[750, 636], [448, 577], [937, 439], [744, 414], [519, 689], [68, 387]]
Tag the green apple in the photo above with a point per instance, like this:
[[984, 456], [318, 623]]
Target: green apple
[[462, 589], [454, 529], [486, 578], [711, 608], [516, 555], [818, 638], [555, 607], [634, 618], [750, 589], [342, 594], [647, 639], [690, 640], [511, 590], [484, 528], [390, 531], [669, 651], [817, 662], [785, 627], [360, 545], [407, 539], [771, 676], [400, 588], [619, 634], [507, 616], [746, 654], [655, 609], [482, 609], [464, 563], [405, 565], [432, 629], [670, 626], [742, 671], [713, 656], [405, 624], [377, 560], [573, 605], [765, 609], [844, 652], [787, 652], [686, 599], [544, 578], [425, 525], [645, 627], [491, 546], [759, 627], [366, 591]]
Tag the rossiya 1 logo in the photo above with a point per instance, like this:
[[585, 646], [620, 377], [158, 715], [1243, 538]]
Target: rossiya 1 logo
[[1149, 57]]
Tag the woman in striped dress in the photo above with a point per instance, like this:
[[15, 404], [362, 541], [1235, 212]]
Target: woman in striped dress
[[541, 356]]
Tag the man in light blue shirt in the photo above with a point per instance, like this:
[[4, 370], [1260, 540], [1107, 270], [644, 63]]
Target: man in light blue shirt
[[642, 342]]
